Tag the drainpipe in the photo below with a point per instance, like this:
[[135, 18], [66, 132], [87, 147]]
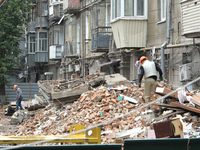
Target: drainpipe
[[168, 38]]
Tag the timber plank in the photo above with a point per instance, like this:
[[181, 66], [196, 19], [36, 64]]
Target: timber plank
[[186, 107]]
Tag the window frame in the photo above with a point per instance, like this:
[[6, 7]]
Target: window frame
[[31, 43], [162, 10], [41, 40], [108, 16], [137, 17]]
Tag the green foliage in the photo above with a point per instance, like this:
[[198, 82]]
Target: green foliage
[[13, 16]]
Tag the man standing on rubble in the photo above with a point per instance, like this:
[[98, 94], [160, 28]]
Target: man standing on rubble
[[19, 97], [149, 69]]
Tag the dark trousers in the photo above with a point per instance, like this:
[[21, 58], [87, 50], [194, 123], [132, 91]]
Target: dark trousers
[[18, 103]]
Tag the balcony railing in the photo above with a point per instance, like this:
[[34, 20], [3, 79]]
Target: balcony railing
[[100, 39], [31, 26], [71, 49], [41, 57], [41, 22]]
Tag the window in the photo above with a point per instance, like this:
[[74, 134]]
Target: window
[[42, 42], [129, 8], [163, 10], [116, 8], [107, 14], [58, 35], [87, 27], [44, 9], [113, 9], [31, 46], [140, 8]]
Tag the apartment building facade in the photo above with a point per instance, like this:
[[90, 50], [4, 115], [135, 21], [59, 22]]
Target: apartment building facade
[[81, 37]]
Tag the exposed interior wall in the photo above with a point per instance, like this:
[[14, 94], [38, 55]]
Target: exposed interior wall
[[180, 56]]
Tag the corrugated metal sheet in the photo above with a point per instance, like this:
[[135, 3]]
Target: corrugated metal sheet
[[130, 33], [31, 60], [41, 22], [191, 18], [31, 26], [41, 56], [11, 93]]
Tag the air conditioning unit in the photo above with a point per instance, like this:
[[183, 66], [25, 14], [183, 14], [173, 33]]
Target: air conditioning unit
[[55, 52], [185, 72], [77, 68]]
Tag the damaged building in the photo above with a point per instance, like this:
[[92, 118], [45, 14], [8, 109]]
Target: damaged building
[[83, 37]]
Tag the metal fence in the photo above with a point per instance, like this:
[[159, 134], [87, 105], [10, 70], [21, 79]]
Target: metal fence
[[11, 93], [129, 144]]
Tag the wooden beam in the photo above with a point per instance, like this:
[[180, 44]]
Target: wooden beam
[[186, 107]]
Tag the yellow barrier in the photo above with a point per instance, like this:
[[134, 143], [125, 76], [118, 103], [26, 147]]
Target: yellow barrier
[[92, 136]]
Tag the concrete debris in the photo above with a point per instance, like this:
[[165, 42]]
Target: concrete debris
[[114, 79], [67, 91], [17, 117], [102, 102]]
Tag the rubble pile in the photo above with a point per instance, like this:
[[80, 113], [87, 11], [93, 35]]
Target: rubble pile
[[70, 90], [110, 100], [93, 107]]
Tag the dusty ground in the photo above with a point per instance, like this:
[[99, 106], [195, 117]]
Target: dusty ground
[[5, 126]]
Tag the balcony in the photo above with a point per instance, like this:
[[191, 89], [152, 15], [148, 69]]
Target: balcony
[[130, 33], [71, 6], [55, 12], [100, 39]]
